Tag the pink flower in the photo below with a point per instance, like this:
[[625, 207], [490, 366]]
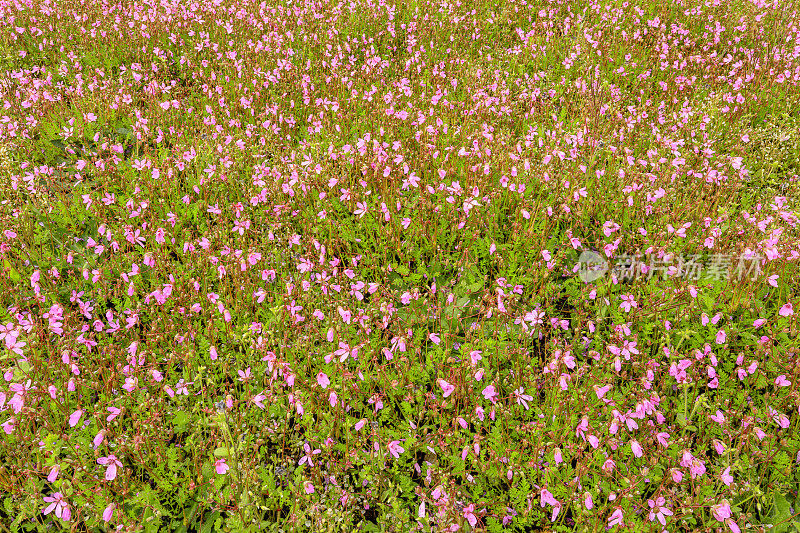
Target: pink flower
[[587, 501], [113, 463], [308, 487], [75, 417], [721, 511], [475, 356], [719, 446], [434, 338], [323, 380], [663, 439], [522, 398], [697, 468], [719, 417], [628, 302], [51, 477], [616, 518], [108, 512], [546, 498], [658, 511], [469, 514], [636, 449], [786, 310], [221, 467], [601, 391], [490, 394], [781, 381], [734, 527], [446, 387], [258, 400], [726, 476], [395, 449], [59, 504], [781, 419], [360, 424], [557, 456], [309, 456], [98, 439], [721, 337]]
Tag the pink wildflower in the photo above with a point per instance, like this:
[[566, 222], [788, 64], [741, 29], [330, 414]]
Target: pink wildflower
[[395, 449], [616, 518], [469, 514], [108, 512], [75, 417], [658, 510], [113, 463], [221, 467], [446, 387], [490, 394], [58, 504]]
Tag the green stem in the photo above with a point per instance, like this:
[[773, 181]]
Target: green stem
[[685, 402], [231, 444]]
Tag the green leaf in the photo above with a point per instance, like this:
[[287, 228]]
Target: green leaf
[[207, 470], [180, 420], [13, 274], [221, 452], [208, 525], [781, 511]]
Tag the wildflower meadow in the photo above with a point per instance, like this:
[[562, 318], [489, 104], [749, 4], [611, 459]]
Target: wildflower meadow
[[399, 265]]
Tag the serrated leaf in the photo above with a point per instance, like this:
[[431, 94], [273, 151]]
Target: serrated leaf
[[207, 470], [209, 522], [781, 511]]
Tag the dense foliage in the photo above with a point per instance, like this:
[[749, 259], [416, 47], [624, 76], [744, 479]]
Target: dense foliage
[[316, 266]]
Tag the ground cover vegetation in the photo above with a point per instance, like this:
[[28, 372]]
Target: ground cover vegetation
[[314, 265]]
